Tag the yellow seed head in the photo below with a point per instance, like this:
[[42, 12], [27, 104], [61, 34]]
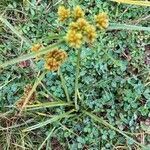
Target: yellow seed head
[[63, 13], [79, 25], [54, 59], [90, 32], [78, 12], [51, 64], [73, 26], [36, 47], [74, 38], [102, 21]]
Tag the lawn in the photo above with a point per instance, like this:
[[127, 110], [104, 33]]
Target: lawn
[[74, 75]]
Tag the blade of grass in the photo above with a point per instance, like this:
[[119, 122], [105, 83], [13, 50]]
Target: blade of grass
[[30, 55], [17, 125], [51, 120], [47, 138], [46, 105], [105, 123], [133, 2], [77, 78], [116, 26], [70, 130], [64, 85], [50, 94], [3, 20]]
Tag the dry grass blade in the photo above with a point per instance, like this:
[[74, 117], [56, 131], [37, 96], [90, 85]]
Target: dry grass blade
[[133, 2]]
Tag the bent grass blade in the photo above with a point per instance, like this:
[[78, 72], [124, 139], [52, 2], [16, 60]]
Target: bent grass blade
[[51, 120]]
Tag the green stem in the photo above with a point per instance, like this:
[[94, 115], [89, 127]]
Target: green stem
[[77, 78], [64, 85]]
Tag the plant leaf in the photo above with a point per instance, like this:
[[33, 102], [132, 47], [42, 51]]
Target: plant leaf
[[116, 26]]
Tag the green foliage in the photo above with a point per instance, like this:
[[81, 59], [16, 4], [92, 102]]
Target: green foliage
[[113, 80]]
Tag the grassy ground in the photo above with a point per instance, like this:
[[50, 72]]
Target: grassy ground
[[114, 83]]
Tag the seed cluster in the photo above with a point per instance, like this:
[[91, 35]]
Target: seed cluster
[[54, 59], [63, 13], [102, 20], [79, 29]]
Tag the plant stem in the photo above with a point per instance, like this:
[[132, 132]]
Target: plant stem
[[64, 85], [77, 78]]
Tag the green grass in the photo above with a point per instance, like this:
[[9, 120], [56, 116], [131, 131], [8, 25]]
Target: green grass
[[99, 98]]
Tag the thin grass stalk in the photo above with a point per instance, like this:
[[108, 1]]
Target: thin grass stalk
[[16, 125], [47, 105], [50, 94], [64, 85], [77, 78], [47, 138], [105, 123]]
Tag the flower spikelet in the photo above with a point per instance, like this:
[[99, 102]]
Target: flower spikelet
[[63, 13], [81, 23], [74, 38], [36, 47], [73, 26], [54, 59], [78, 12], [90, 32], [102, 21]]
